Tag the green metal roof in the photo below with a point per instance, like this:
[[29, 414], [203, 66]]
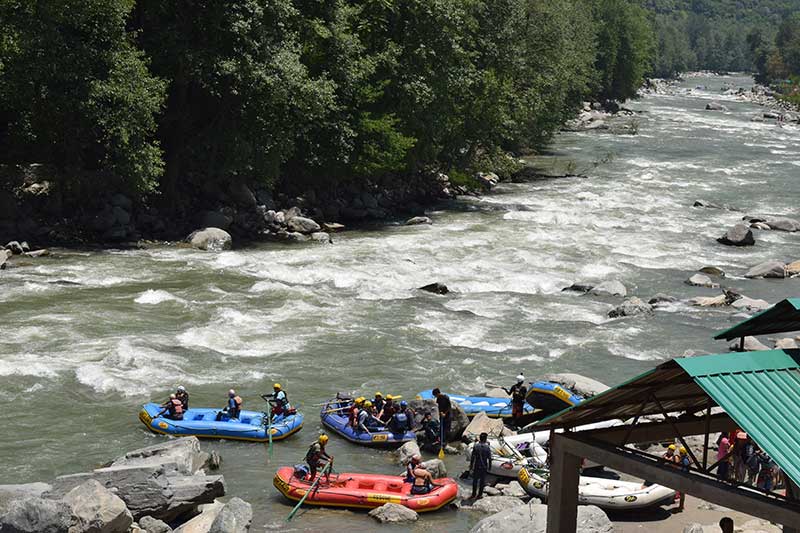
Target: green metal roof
[[761, 393], [781, 317]]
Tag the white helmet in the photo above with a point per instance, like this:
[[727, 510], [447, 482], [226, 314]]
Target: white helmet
[[231, 392], [181, 388], [520, 378]]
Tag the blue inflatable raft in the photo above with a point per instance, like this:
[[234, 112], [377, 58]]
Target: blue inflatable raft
[[472, 405], [336, 421], [551, 397], [250, 426]]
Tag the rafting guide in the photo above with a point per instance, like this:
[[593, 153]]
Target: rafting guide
[[317, 457], [232, 410]]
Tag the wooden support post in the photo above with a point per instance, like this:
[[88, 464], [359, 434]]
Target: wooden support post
[[562, 501]]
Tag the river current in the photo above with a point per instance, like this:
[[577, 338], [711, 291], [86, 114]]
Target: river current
[[86, 338]]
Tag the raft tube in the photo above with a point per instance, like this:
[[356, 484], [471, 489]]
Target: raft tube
[[551, 397], [604, 493], [472, 405], [202, 423], [364, 491], [381, 436], [507, 461]]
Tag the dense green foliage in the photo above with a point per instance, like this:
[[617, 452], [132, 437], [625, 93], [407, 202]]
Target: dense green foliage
[[713, 34], [778, 61], [188, 96]]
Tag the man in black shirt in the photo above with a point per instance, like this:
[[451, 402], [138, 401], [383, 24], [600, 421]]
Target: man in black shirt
[[479, 464], [518, 391], [445, 412]]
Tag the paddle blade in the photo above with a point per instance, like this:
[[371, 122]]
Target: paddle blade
[[441, 453]]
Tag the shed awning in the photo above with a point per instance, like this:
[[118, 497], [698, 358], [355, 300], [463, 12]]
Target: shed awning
[[781, 317]]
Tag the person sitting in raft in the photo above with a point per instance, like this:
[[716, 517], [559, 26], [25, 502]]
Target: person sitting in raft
[[423, 481], [317, 457], [233, 408], [353, 410], [278, 401], [183, 396], [413, 464], [378, 402], [389, 408], [365, 419], [173, 407], [402, 419]]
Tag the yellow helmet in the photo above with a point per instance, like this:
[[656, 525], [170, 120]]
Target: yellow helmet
[[671, 447], [276, 386], [368, 404], [360, 399], [389, 397], [682, 450], [323, 439], [378, 395]]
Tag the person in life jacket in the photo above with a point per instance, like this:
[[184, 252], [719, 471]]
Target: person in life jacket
[[365, 418], [389, 408], [279, 402], [317, 457], [431, 432], [173, 407], [378, 402], [518, 391], [183, 396], [352, 412], [233, 408], [400, 421]]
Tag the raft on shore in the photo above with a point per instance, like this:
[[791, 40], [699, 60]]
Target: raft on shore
[[364, 491], [202, 423], [472, 405]]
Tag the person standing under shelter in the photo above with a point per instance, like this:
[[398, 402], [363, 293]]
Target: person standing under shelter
[[479, 464]]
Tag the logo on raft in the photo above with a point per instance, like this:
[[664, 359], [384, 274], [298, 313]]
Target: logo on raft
[[145, 417], [380, 438], [523, 476], [383, 498], [630, 498]]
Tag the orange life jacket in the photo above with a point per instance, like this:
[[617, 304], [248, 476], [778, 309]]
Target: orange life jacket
[[177, 405]]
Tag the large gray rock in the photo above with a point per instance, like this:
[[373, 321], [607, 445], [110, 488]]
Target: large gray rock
[[701, 280], [181, 455], [739, 235], [533, 519], [769, 269], [495, 504], [581, 385], [210, 239], [610, 288], [15, 248], [9, 493], [393, 513], [715, 106], [694, 528], [749, 304], [302, 225], [4, 255], [481, 423], [435, 288], [786, 343], [154, 525], [713, 271], [202, 523], [436, 467], [751, 344], [416, 221], [97, 510], [783, 224], [631, 307], [36, 515], [407, 451], [235, 517], [459, 423], [513, 490]]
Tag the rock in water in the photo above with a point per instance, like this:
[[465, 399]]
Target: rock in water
[[153, 525], [302, 225], [792, 269], [578, 384], [436, 288], [416, 221], [407, 451], [235, 517], [36, 515], [495, 504], [631, 307], [610, 288], [393, 513], [786, 343], [533, 519], [482, 423], [701, 280], [210, 239], [749, 304], [715, 106], [783, 224], [661, 298], [97, 510], [751, 344], [181, 455], [577, 287], [15, 248], [713, 271], [458, 424], [514, 490], [436, 467], [770, 269], [739, 235], [202, 523], [9, 493]]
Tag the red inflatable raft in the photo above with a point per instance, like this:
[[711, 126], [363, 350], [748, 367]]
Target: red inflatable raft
[[364, 491]]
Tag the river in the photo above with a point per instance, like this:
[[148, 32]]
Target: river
[[86, 338]]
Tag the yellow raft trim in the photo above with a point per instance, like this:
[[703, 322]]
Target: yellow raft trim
[[222, 437]]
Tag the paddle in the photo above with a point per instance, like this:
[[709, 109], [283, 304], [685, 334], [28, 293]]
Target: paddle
[[309, 491], [441, 436], [336, 410], [269, 430]]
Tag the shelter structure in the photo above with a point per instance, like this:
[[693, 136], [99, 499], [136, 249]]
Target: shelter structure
[[757, 392]]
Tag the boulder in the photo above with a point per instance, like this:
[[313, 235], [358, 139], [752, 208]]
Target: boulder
[[95, 509], [787, 343], [749, 304], [296, 236], [416, 221], [488, 490], [701, 280], [215, 219], [694, 527], [631, 307], [769, 269], [435, 288], [210, 239], [780, 223], [792, 269], [154, 525], [36, 515], [496, 392], [407, 451], [333, 227], [290, 213], [235, 517], [581, 385], [739, 235], [708, 205], [9, 493], [610, 288], [482, 423], [760, 225], [513, 490], [4, 255], [458, 424], [710, 301], [661, 298], [302, 225], [751, 344], [202, 523], [321, 236], [533, 519], [436, 467], [181, 455], [487, 180], [15, 247], [495, 504], [715, 106], [713, 271], [36, 253], [578, 287], [393, 513]]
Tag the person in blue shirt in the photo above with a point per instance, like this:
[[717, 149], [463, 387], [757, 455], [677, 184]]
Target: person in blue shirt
[[233, 408]]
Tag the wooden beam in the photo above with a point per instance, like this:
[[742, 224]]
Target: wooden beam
[[704, 487], [658, 431], [562, 501]]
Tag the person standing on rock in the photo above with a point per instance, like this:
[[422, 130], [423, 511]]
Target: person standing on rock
[[518, 392], [183, 396], [479, 464], [445, 412]]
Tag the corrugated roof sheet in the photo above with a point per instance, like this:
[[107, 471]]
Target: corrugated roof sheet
[[761, 393], [782, 317]]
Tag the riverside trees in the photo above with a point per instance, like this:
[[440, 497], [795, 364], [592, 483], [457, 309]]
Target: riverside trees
[[175, 97]]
